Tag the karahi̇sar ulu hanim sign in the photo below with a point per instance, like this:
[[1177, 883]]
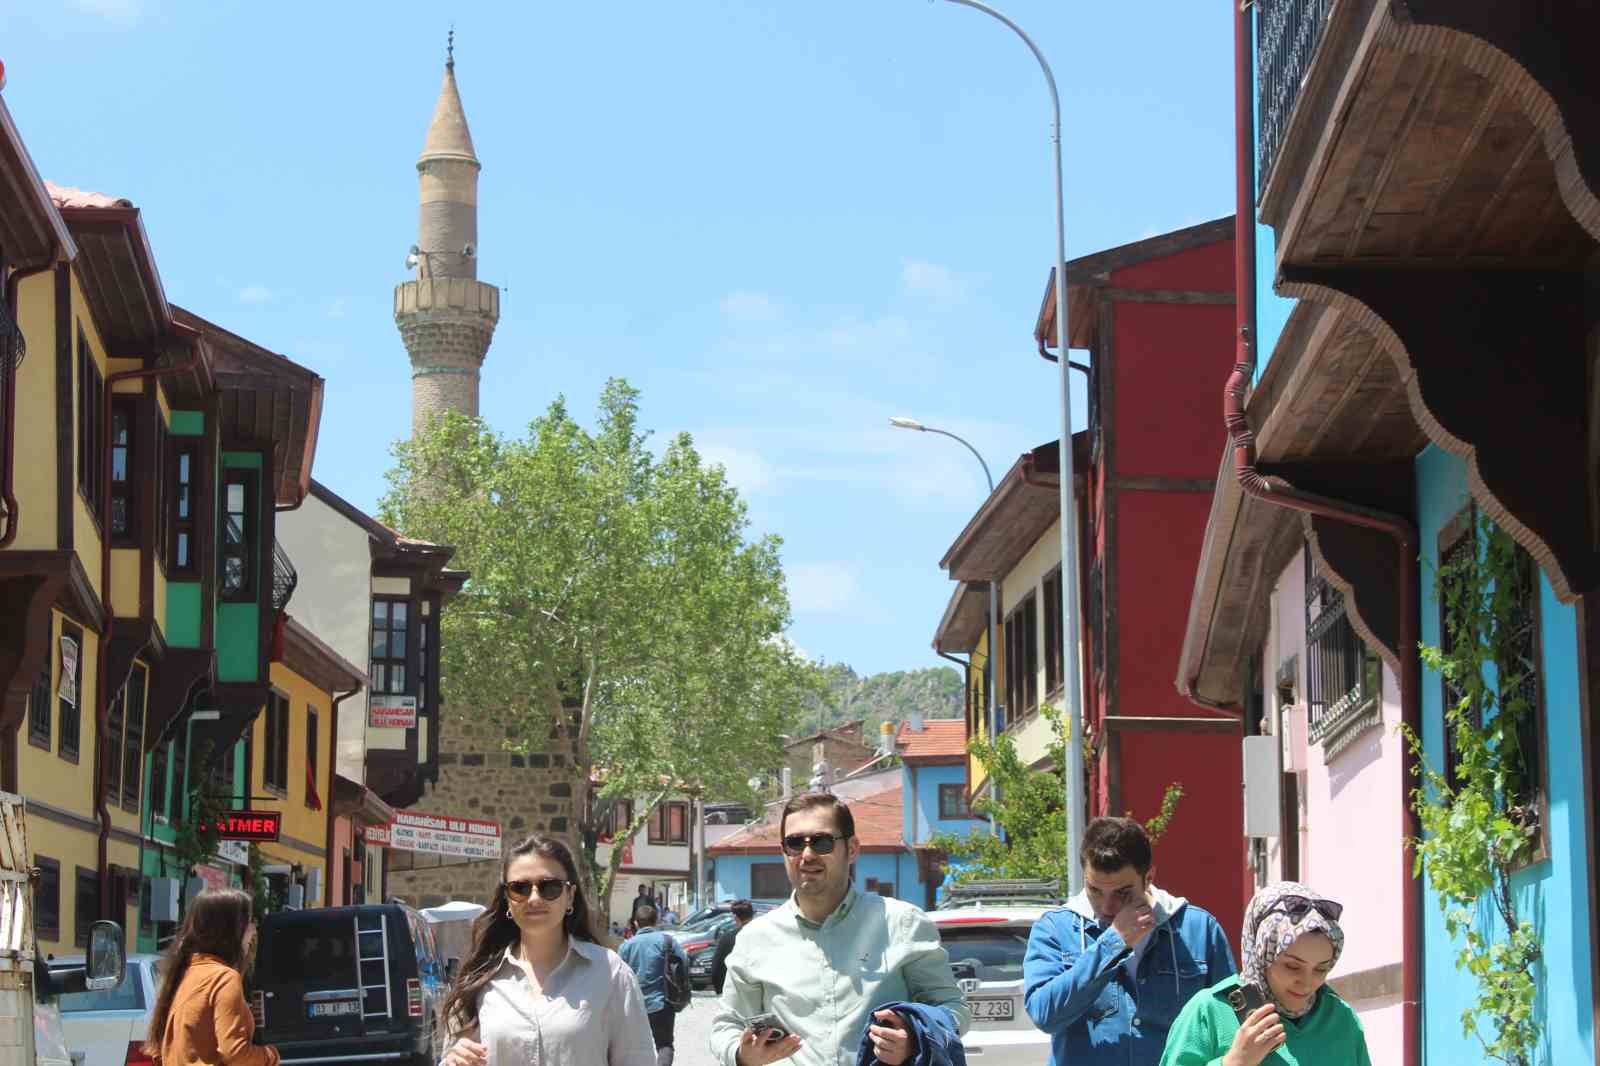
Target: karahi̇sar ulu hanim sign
[[435, 834]]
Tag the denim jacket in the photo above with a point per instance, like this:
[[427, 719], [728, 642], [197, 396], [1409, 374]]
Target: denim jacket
[[933, 1033], [1077, 986], [646, 955]]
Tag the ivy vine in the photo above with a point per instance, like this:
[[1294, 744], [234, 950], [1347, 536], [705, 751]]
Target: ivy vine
[[1478, 829]]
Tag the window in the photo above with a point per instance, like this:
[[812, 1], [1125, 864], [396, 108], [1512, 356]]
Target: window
[[158, 783], [40, 708], [87, 906], [276, 774], [768, 880], [1343, 675], [669, 824], [1022, 658], [114, 737], [124, 500], [953, 802], [178, 801], [614, 824], [1052, 633], [390, 627], [1517, 662], [886, 889], [91, 433], [1457, 547], [220, 777], [47, 899], [158, 491], [312, 800], [69, 690], [133, 738], [238, 562], [181, 528]]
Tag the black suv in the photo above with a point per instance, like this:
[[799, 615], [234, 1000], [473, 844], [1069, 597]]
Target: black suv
[[349, 984]]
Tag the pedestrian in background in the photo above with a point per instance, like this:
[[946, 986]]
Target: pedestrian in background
[[536, 986], [1107, 975], [646, 953], [742, 910], [200, 1017], [1292, 939]]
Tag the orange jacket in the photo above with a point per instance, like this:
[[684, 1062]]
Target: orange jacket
[[210, 1024]]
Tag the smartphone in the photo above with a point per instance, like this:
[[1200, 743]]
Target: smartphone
[[769, 1025], [1244, 999]]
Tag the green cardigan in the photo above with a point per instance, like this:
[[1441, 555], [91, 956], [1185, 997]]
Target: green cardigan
[[1329, 1036]]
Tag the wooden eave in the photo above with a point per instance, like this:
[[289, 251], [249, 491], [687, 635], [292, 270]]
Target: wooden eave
[[1330, 398], [117, 272], [352, 799], [1089, 273], [264, 397], [965, 619], [1015, 515], [32, 230], [307, 655]]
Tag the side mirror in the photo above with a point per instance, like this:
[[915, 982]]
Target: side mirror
[[451, 968], [107, 956]]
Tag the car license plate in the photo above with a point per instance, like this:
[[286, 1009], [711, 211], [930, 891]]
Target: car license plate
[[992, 1010], [334, 1008]]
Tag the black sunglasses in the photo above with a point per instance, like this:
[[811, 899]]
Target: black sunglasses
[[820, 843], [1297, 907], [549, 888]]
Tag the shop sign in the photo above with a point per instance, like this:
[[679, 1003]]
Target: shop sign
[[433, 834], [386, 710], [249, 825], [236, 852]]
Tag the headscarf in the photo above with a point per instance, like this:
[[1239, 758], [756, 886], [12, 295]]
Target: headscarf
[[1268, 932]]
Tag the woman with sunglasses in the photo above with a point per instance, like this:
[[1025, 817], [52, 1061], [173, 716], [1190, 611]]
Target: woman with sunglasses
[[536, 986], [1279, 999]]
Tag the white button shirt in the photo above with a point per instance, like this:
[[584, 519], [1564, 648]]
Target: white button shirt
[[589, 1013]]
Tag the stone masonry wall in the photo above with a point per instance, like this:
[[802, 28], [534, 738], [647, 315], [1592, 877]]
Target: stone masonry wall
[[478, 778]]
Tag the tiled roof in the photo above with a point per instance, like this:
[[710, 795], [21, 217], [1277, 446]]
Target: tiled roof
[[880, 818], [939, 738], [67, 196]]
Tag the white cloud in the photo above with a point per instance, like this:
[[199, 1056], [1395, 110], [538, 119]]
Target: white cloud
[[256, 294], [933, 281], [876, 336], [748, 471], [749, 307], [822, 586]]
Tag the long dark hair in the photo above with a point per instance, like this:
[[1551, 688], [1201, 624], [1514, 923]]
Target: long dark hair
[[214, 925], [494, 931]]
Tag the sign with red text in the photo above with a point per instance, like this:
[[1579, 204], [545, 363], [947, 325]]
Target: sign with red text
[[389, 711], [435, 834], [249, 825]]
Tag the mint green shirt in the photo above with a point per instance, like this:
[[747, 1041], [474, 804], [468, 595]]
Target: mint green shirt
[[1328, 1036], [824, 981]]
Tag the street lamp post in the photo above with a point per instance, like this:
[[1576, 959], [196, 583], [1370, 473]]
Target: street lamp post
[[1069, 510], [995, 710]]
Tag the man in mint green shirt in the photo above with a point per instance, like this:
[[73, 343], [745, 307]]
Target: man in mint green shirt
[[826, 960]]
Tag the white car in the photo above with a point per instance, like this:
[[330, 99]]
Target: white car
[[108, 1028], [986, 943]]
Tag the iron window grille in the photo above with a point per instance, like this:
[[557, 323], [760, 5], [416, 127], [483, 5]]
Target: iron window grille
[[284, 577], [41, 708], [1457, 548], [1517, 662], [1343, 675], [47, 899], [1287, 35]]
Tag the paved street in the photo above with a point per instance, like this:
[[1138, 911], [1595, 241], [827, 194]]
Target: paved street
[[694, 1025]]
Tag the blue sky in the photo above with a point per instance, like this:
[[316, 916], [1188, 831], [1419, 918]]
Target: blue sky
[[783, 221]]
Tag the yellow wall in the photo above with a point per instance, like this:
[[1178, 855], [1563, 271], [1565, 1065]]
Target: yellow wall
[[35, 470], [299, 821], [45, 776], [124, 582], [978, 691]]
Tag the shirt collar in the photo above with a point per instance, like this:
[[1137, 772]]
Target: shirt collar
[[581, 950], [840, 913]]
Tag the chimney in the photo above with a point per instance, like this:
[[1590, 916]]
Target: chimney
[[916, 722], [886, 738], [788, 782]]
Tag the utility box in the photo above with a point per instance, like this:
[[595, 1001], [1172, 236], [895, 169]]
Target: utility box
[[1292, 730], [314, 886], [1263, 787], [164, 899]]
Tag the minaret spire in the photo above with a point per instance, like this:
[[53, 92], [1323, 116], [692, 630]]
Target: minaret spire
[[446, 315]]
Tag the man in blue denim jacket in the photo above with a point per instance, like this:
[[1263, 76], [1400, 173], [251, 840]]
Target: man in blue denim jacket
[[1106, 975], [646, 955]]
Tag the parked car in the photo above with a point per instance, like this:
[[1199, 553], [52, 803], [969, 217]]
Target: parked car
[[108, 1027], [700, 941], [342, 984], [986, 942]]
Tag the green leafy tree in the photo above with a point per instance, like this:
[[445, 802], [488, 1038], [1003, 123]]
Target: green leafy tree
[[1477, 827], [1029, 813], [615, 600]]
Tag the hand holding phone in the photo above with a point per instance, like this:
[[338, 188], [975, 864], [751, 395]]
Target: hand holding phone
[[765, 1040], [767, 1027]]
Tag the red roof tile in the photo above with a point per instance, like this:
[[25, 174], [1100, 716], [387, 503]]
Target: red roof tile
[[944, 739], [880, 818], [67, 196]]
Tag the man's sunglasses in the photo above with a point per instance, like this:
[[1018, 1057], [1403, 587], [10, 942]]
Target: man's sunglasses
[[549, 888], [1297, 907], [820, 843]]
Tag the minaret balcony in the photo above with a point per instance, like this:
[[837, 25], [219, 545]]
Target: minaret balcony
[[451, 296]]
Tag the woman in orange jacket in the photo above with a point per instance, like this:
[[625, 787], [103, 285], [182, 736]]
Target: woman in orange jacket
[[201, 1017]]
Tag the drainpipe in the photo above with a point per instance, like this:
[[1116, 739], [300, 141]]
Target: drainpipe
[[102, 693], [9, 400], [1275, 491]]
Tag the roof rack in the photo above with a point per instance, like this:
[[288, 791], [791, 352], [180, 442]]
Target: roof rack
[[970, 893]]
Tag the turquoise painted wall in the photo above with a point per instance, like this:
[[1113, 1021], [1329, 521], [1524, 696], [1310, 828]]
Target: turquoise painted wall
[[188, 424], [183, 613], [920, 792], [1554, 893]]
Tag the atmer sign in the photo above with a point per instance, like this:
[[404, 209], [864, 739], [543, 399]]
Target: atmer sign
[[434, 834], [249, 825]]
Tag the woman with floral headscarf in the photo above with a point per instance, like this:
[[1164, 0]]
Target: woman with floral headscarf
[[1278, 1010]]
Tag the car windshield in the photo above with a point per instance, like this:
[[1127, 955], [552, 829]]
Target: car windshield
[[700, 924], [129, 995], [987, 954]]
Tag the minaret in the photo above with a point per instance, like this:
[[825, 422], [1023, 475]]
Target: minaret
[[446, 315]]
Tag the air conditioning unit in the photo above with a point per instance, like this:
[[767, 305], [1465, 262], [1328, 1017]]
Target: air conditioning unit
[[164, 899], [1263, 784]]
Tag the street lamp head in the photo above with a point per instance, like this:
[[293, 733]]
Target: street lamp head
[[901, 422]]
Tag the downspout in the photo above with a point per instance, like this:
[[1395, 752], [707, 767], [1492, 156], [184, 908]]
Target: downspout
[[1276, 491], [9, 400], [333, 766], [102, 694]]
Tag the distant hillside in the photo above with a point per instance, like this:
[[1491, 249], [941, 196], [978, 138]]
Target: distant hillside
[[893, 696]]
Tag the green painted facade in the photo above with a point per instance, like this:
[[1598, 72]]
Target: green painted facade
[[188, 424], [184, 613], [238, 624]]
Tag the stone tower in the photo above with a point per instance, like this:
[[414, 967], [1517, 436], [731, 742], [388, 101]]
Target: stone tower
[[445, 314]]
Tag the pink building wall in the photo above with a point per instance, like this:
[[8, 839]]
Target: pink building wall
[[1350, 824]]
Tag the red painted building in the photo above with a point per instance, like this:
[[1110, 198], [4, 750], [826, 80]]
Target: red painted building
[[1157, 320]]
